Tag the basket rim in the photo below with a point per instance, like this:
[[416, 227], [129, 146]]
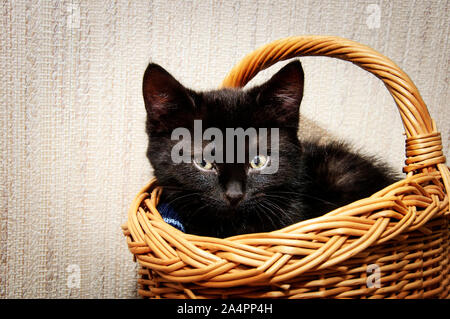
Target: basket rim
[[153, 190]]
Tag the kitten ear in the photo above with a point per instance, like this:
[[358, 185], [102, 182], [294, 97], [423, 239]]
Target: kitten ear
[[169, 104], [280, 97]]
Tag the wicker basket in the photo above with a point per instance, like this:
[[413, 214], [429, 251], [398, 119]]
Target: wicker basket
[[400, 234]]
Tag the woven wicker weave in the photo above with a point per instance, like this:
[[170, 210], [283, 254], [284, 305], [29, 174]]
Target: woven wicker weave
[[403, 229]]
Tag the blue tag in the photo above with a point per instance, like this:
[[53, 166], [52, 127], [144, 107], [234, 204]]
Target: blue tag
[[170, 216]]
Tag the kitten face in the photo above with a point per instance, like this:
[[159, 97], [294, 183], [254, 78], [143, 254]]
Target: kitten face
[[226, 195]]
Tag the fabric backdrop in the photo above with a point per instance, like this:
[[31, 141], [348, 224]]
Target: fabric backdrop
[[72, 117]]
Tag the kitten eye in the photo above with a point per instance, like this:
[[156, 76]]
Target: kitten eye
[[258, 162], [204, 165]]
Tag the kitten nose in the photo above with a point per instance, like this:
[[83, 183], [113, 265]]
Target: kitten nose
[[234, 193]]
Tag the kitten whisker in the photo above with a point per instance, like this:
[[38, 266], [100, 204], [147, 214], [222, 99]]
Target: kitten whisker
[[181, 197], [298, 194]]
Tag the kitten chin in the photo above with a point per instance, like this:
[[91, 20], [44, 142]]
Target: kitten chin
[[228, 199]]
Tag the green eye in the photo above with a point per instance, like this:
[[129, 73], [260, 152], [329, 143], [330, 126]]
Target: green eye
[[258, 162], [203, 164]]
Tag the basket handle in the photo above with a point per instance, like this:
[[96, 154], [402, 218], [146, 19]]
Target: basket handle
[[423, 143]]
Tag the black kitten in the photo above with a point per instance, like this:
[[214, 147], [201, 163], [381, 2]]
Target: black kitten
[[225, 199]]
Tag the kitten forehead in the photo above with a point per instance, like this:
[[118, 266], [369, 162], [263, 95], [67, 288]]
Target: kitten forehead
[[226, 99]]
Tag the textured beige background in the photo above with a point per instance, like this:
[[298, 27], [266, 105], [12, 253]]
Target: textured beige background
[[72, 118]]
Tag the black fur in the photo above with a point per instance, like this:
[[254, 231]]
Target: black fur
[[312, 179]]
